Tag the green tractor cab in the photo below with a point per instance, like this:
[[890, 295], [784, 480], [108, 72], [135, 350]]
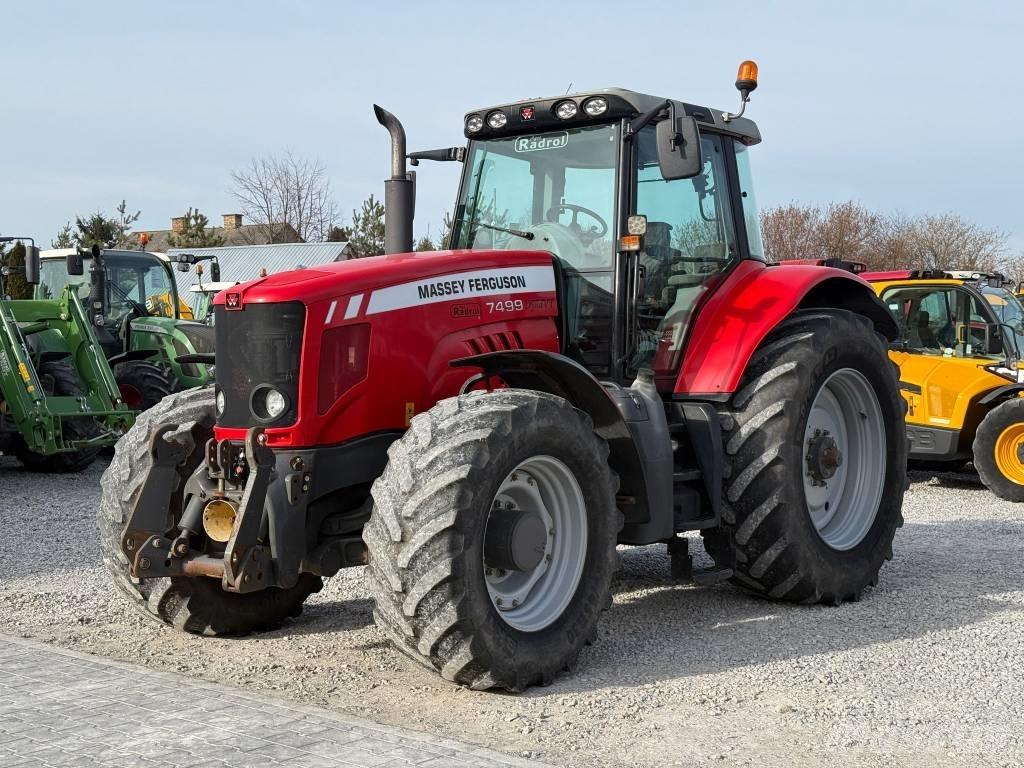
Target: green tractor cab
[[59, 403], [140, 320]]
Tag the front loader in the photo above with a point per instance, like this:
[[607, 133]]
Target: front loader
[[59, 404], [138, 316], [604, 358]]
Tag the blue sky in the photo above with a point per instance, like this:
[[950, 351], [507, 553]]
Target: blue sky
[[888, 103]]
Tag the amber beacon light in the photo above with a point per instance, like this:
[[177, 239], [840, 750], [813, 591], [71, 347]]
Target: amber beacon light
[[746, 81]]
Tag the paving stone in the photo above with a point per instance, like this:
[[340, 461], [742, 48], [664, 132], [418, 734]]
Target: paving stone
[[63, 708]]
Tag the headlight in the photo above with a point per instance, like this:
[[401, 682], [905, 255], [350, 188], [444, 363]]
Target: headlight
[[565, 110], [220, 403], [497, 119], [268, 403], [595, 106], [474, 123]]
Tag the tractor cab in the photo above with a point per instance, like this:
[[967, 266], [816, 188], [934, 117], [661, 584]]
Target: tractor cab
[[644, 201]]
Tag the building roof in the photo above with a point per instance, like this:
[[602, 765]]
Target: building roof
[[243, 262], [244, 234]]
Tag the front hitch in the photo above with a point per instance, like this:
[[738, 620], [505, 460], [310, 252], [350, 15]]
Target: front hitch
[[247, 564]]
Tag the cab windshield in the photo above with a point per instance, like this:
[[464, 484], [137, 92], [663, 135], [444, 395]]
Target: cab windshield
[[551, 191], [142, 286], [1008, 310]]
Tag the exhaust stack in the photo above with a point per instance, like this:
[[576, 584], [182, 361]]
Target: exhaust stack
[[399, 190]]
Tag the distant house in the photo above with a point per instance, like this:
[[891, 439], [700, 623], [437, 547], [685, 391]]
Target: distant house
[[233, 231], [241, 263]]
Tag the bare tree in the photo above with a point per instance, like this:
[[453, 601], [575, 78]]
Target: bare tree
[[893, 246], [1013, 267], [789, 231], [951, 242], [287, 198], [846, 231]]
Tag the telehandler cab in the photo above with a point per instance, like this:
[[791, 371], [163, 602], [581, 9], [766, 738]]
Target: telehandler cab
[[959, 353], [604, 358]]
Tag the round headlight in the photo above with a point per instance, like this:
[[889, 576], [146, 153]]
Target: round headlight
[[474, 123], [497, 119], [564, 110], [220, 403], [267, 403], [276, 404], [595, 106]]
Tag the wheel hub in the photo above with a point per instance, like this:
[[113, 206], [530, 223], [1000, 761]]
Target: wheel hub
[[823, 457], [516, 540], [535, 543]]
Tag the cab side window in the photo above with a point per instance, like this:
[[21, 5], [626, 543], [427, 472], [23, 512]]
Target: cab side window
[[925, 317]]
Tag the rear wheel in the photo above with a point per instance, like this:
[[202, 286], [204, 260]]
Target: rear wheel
[[815, 462], [196, 604], [142, 384], [999, 450], [60, 377], [492, 538]]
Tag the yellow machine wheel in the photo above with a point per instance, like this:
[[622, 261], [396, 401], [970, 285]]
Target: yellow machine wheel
[[999, 450], [1008, 449]]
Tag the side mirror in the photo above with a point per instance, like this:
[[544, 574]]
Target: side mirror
[[215, 272], [75, 262], [32, 264], [678, 143], [183, 266]]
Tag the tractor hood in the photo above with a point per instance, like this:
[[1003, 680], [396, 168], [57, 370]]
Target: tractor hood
[[377, 272]]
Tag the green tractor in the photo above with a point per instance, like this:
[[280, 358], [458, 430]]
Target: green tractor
[[59, 403], [147, 332]]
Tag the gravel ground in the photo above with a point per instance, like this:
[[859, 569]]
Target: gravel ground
[[927, 670]]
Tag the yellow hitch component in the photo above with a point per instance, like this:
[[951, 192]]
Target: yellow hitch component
[[219, 519], [23, 369]]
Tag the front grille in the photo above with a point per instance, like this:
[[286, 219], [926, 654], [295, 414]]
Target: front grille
[[260, 344]]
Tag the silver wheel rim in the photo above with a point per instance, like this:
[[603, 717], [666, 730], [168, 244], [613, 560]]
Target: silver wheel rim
[[531, 600], [843, 489]]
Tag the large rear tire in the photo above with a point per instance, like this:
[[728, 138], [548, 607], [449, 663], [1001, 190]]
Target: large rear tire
[[999, 450], [815, 464], [492, 538], [196, 604], [60, 377]]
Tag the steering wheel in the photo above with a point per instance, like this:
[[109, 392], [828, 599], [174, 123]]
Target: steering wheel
[[594, 233]]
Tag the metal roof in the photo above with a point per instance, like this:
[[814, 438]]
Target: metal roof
[[243, 262]]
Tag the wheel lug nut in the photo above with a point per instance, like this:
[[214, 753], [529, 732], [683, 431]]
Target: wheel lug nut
[[499, 601], [515, 603]]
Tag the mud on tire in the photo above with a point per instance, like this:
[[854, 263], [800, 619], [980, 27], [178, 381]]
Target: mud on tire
[[426, 537], [767, 536], [197, 604]]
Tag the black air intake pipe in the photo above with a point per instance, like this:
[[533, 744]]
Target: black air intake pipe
[[399, 190]]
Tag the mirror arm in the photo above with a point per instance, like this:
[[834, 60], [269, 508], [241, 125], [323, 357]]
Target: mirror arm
[[638, 123]]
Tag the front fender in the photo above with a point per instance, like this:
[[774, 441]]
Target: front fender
[[752, 301], [558, 375]]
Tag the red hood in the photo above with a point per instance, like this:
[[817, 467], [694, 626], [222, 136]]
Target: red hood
[[355, 275]]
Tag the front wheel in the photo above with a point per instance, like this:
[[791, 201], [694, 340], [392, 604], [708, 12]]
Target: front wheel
[[999, 450], [815, 465], [492, 538]]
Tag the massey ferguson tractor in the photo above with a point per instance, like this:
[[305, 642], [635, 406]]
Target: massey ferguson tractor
[[604, 357]]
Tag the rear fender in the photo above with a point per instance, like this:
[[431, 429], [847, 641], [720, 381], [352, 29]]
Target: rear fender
[[751, 303], [558, 375]]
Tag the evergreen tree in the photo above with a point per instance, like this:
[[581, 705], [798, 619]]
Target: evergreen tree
[[65, 237], [105, 232], [366, 236], [195, 234], [425, 244], [15, 285]]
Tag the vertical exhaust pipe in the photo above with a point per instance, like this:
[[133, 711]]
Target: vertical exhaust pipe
[[399, 190]]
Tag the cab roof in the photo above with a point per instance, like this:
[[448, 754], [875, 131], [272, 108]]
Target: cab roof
[[622, 103]]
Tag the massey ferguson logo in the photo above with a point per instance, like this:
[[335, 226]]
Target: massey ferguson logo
[[545, 141], [233, 301]]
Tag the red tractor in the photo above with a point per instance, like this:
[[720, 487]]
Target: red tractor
[[603, 358]]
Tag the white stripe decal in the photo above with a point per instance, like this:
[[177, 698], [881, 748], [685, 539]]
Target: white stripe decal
[[330, 313], [354, 303], [462, 285]]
